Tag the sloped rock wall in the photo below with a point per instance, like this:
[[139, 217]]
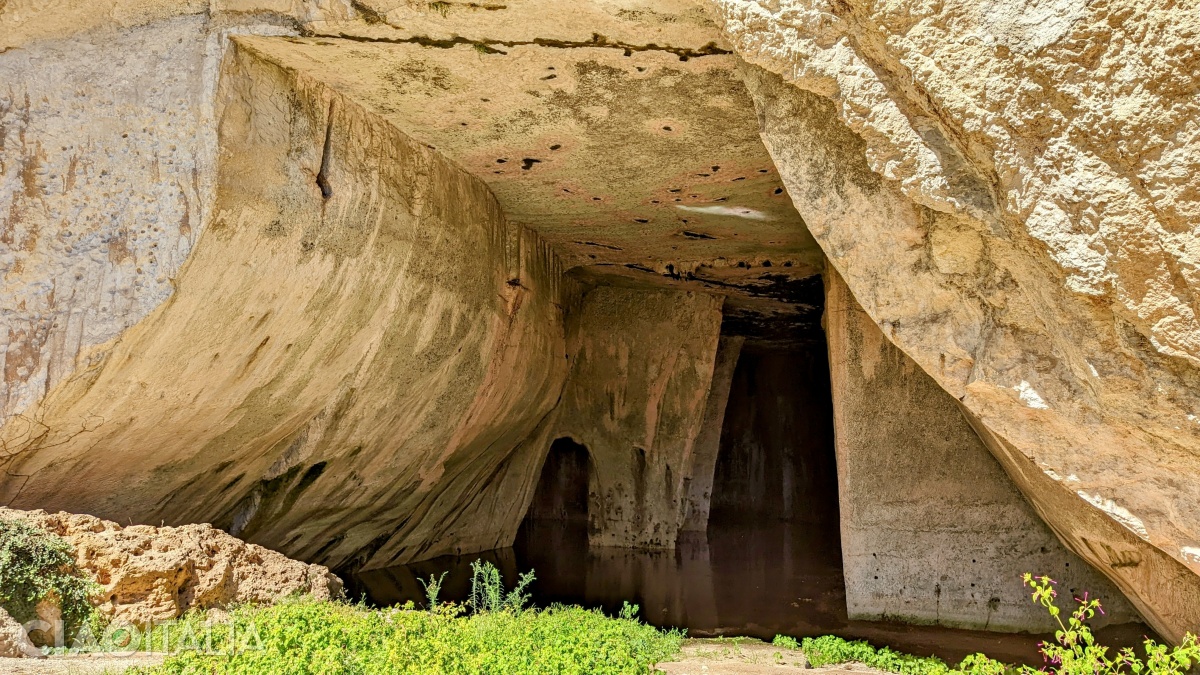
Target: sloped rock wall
[[933, 529], [1009, 191], [108, 153], [351, 363]]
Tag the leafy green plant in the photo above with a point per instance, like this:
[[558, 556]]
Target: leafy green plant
[[786, 642], [433, 588], [1073, 652], [37, 565], [828, 649], [304, 636]]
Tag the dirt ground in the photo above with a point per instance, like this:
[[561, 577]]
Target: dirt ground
[[747, 657], [722, 656], [84, 664]]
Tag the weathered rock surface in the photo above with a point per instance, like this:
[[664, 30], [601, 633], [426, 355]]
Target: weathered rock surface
[[933, 530], [152, 573], [357, 345], [14, 641], [1010, 191], [638, 405]]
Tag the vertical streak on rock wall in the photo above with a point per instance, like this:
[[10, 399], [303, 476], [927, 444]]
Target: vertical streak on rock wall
[[636, 398], [708, 441], [933, 530]]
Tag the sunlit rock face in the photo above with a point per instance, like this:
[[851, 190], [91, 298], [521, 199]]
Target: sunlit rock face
[[933, 529], [352, 362], [636, 398], [299, 267], [1010, 192]]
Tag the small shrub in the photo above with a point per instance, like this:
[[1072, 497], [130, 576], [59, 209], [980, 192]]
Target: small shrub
[[786, 642], [433, 588], [828, 649], [35, 565], [487, 589]]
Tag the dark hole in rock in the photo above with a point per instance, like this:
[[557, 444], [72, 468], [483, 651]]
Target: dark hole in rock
[[562, 489]]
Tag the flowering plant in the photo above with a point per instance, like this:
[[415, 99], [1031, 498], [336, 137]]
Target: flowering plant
[[1075, 652]]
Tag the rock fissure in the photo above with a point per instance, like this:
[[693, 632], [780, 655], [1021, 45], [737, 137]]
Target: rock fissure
[[487, 46]]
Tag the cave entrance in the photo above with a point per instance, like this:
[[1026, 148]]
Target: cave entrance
[[561, 495], [774, 529], [776, 462]]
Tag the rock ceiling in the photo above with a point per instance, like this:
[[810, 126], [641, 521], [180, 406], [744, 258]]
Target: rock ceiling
[[633, 158]]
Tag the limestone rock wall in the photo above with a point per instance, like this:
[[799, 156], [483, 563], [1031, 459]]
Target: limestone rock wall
[[1009, 190], [641, 371], [353, 359], [108, 151], [933, 529]]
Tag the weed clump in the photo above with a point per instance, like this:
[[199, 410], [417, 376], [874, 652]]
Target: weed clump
[[1074, 651], [36, 565], [494, 632]]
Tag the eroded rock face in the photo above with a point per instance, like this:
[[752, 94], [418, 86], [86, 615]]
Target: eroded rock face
[[933, 529], [638, 405], [108, 152], [157, 573], [357, 345], [1010, 191]]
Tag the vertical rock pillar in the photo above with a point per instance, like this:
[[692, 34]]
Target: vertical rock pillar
[[636, 398], [708, 442]]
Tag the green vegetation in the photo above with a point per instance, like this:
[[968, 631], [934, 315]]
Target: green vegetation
[[1074, 651], [493, 633], [36, 565], [786, 642]]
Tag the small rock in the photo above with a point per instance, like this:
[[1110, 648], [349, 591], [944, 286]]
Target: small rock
[[14, 642]]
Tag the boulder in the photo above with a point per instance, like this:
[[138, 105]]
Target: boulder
[[157, 573]]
